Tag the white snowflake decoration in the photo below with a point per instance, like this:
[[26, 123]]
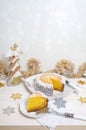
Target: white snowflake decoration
[[8, 111], [60, 102]]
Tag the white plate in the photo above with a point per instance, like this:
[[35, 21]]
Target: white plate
[[29, 83], [23, 110]]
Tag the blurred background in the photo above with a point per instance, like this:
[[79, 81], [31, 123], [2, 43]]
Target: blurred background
[[49, 30]]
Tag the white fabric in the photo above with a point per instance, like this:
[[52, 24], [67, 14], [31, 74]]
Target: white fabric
[[50, 121]]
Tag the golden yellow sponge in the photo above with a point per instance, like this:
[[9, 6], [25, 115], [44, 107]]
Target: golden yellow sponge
[[36, 102], [57, 84]]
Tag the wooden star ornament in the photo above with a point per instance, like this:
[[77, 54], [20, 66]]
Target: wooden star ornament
[[82, 99], [81, 82], [16, 96]]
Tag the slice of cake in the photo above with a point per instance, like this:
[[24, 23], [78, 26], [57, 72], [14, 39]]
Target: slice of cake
[[36, 102], [48, 82], [57, 84]]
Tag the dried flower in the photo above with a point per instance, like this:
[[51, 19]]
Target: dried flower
[[3, 70], [1, 67], [2, 84], [65, 67], [33, 66], [81, 69], [24, 73], [6, 71], [51, 71]]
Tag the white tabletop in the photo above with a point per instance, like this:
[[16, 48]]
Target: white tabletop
[[5, 100], [17, 118]]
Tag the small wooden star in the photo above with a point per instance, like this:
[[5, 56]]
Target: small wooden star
[[16, 96], [81, 82], [82, 99]]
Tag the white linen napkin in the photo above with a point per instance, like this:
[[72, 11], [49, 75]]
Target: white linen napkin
[[50, 120]]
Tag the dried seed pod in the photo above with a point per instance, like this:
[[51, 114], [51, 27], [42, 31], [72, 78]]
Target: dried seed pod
[[34, 66], [65, 67]]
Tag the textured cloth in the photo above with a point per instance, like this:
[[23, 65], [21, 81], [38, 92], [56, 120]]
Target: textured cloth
[[50, 120]]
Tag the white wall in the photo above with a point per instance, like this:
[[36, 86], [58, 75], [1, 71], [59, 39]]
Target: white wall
[[46, 29]]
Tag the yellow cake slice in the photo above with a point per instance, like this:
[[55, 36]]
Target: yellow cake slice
[[57, 84], [36, 102]]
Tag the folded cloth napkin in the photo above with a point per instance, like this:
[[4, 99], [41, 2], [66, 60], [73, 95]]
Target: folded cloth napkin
[[50, 120]]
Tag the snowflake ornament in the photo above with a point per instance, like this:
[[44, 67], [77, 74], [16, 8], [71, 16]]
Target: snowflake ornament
[[60, 102], [8, 111]]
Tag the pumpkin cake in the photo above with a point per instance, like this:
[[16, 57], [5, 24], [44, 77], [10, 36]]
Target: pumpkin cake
[[48, 82], [36, 102]]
